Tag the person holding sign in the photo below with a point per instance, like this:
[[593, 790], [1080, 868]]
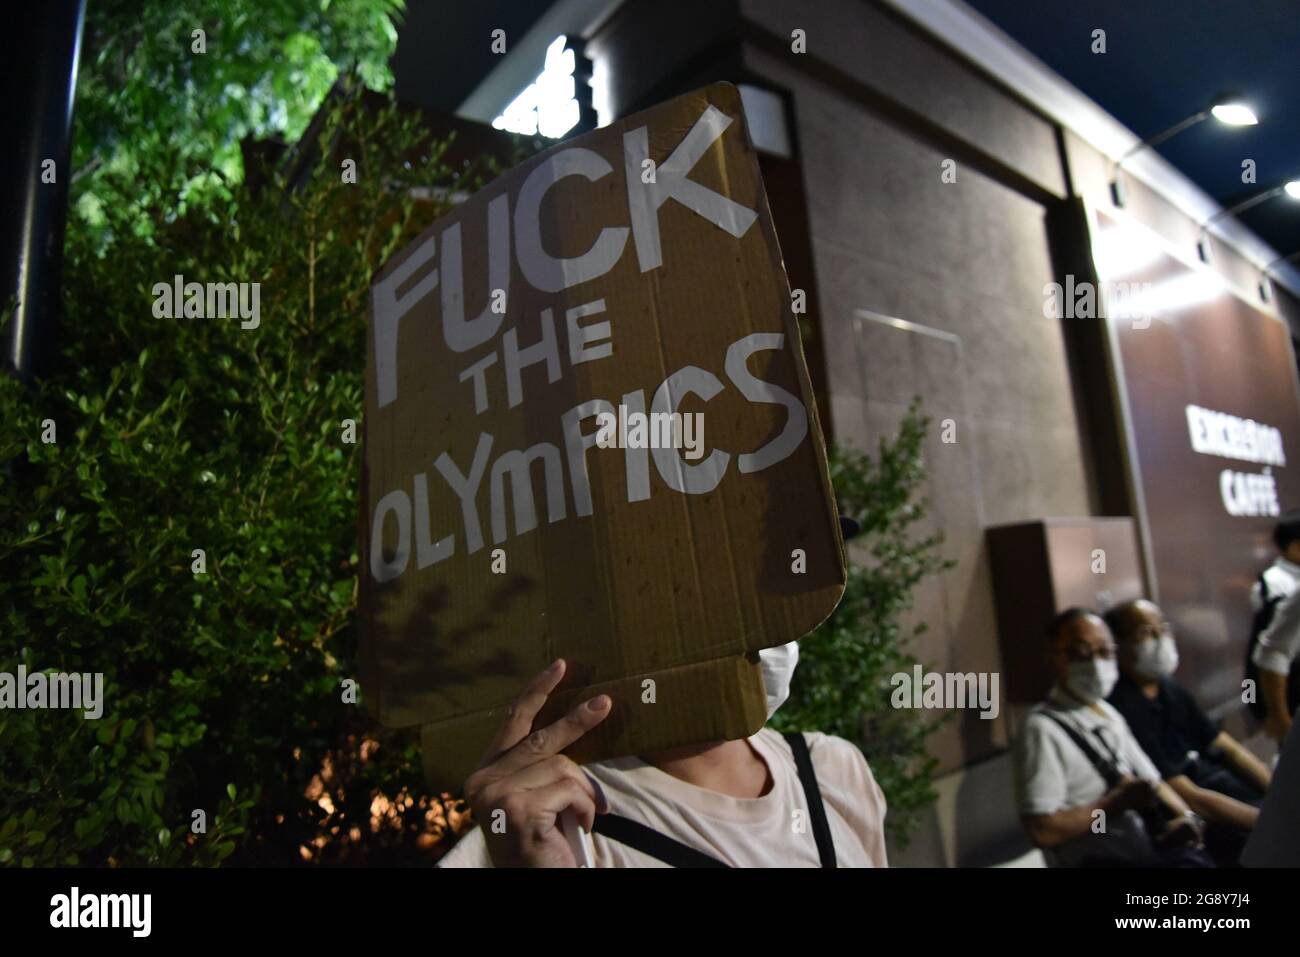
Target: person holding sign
[[516, 512], [531, 491], [765, 801]]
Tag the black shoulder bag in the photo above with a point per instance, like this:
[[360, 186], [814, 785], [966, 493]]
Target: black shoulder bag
[[1154, 818]]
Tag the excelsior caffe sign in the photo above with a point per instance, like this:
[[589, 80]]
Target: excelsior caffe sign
[[1209, 404], [531, 358], [1231, 437]]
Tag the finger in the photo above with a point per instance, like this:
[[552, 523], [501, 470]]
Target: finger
[[535, 777], [546, 772], [550, 801], [498, 790], [555, 737], [522, 711]]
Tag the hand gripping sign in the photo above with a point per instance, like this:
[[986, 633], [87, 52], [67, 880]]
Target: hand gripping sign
[[531, 359]]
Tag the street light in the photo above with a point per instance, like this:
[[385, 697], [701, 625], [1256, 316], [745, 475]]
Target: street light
[[1234, 114], [1227, 108], [1292, 189]]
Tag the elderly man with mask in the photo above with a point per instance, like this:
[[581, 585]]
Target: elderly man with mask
[[1089, 795], [764, 801], [1218, 778]]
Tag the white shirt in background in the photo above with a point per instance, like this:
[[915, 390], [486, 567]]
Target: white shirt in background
[[1280, 641], [1053, 774]]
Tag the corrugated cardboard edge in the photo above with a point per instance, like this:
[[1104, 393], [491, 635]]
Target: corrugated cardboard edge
[[794, 337], [725, 695]]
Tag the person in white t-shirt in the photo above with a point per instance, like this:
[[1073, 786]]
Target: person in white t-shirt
[[1076, 814], [764, 801], [1277, 592]]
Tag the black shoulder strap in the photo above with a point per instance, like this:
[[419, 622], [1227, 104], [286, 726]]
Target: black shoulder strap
[[664, 848], [816, 810], [1264, 615], [649, 841], [1109, 773], [1268, 602]]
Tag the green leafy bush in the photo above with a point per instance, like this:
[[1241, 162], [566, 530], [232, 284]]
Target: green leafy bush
[[841, 685], [223, 690], [145, 90]]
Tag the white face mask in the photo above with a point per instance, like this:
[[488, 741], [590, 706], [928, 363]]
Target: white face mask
[[1156, 657], [778, 668], [1092, 680]]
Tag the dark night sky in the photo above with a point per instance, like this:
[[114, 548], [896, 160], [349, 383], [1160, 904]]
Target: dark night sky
[[1164, 60], [444, 46]]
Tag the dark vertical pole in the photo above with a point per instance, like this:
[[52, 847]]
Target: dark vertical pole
[[43, 41]]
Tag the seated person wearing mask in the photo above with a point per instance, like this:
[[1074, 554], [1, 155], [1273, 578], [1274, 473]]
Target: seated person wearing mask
[[766, 801], [1218, 778], [1082, 778], [1275, 640]]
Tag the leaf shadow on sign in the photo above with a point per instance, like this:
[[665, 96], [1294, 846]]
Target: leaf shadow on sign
[[411, 645]]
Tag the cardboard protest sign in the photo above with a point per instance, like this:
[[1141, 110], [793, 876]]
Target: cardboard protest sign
[[590, 434]]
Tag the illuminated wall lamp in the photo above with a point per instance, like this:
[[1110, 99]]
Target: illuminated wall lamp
[[1292, 189], [1227, 109]]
